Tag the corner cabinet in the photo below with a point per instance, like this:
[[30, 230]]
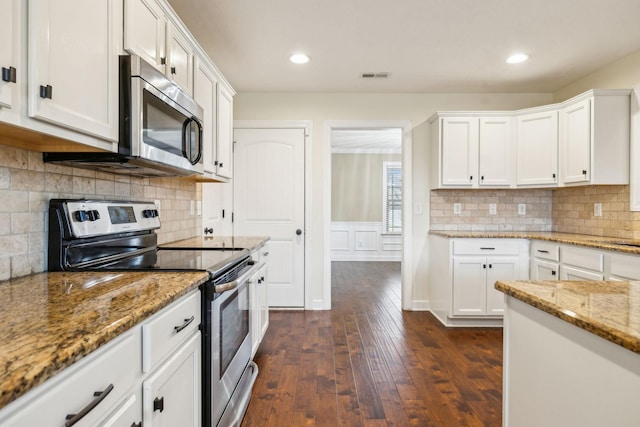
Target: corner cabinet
[[225, 132], [73, 64], [537, 148], [594, 138], [463, 275], [472, 151]]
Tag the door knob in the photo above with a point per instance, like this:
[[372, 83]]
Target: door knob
[[298, 232]]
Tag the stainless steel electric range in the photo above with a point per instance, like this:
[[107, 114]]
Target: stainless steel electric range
[[120, 235]]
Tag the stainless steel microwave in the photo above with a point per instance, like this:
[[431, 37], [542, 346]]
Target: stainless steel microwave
[[160, 128]]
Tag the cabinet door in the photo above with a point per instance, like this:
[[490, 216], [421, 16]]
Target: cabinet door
[[145, 31], [180, 59], [205, 86], [73, 64], [499, 269], [537, 149], [263, 297], [543, 270], [495, 159], [128, 414], [9, 49], [225, 132], [571, 273], [469, 295], [459, 148], [254, 312], [171, 396], [575, 142]]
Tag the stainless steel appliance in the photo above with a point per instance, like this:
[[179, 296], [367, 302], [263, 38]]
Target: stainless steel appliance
[[160, 128], [120, 235]]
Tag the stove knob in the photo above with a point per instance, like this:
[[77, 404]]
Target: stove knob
[[80, 216], [150, 213], [156, 213], [93, 215]]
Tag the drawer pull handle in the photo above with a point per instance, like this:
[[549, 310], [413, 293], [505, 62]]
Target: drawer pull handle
[[136, 424], [265, 253], [99, 397], [158, 404], [542, 252], [488, 249], [553, 272], [186, 323]]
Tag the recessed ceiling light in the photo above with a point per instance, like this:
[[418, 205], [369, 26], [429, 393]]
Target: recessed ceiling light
[[299, 58], [517, 58]]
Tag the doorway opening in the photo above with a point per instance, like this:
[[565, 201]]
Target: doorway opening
[[370, 180]]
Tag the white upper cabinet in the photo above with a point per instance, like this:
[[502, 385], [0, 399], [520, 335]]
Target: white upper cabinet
[[145, 27], [179, 58], [473, 152], [459, 151], [537, 148], [73, 64], [9, 50], [150, 34], [205, 92], [496, 154], [225, 132], [594, 138]]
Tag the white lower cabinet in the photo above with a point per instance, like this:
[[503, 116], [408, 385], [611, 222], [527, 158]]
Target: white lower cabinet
[[95, 386], [259, 302], [110, 386], [544, 270], [463, 273], [171, 395]]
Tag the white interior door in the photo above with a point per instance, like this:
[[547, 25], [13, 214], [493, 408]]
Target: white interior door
[[269, 201]]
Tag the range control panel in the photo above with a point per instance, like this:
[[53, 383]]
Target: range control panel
[[97, 218]]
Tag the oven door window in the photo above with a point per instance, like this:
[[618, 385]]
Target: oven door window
[[168, 129], [234, 326]]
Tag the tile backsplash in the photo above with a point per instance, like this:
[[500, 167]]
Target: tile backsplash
[[573, 211], [27, 184], [475, 216]]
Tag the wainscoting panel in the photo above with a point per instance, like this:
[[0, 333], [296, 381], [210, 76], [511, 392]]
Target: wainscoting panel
[[364, 241]]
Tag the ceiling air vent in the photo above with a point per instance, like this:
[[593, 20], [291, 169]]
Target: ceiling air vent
[[375, 75]]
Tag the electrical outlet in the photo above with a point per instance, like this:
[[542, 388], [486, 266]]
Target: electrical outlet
[[157, 203], [597, 209], [192, 207], [493, 209], [199, 207], [522, 209], [457, 208]]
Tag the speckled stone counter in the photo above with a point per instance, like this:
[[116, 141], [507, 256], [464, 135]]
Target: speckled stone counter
[[610, 310], [245, 242], [51, 320], [610, 243]]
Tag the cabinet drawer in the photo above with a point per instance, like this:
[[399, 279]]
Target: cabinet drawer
[[585, 258], [625, 266], [116, 363], [545, 250], [486, 247], [168, 329]]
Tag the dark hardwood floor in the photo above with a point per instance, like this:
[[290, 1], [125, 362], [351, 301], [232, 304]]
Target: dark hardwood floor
[[368, 363]]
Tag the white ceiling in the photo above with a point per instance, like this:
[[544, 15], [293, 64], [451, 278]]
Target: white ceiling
[[426, 45]]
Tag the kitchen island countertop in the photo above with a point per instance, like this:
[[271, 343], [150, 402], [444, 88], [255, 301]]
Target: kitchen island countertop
[[608, 309], [52, 320]]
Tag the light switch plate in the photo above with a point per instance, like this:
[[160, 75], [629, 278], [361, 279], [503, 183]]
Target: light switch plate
[[597, 209], [522, 209], [493, 209], [457, 208]]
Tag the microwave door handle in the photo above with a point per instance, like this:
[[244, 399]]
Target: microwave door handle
[[186, 139], [199, 130]]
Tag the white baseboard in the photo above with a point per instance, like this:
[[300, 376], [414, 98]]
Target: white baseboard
[[420, 305]]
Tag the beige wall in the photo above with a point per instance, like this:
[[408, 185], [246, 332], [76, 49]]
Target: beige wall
[[621, 74], [416, 108], [356, 186], [27, 185]]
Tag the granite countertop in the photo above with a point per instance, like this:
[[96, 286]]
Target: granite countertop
[[609, 309], [599, 242], [51, 320], [214, 242]]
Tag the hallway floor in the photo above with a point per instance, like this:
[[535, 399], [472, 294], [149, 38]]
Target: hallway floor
[[368, 363]]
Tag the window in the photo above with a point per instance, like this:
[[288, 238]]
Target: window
[[392, 196]]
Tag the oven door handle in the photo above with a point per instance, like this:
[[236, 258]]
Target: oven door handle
[[224, 287]]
